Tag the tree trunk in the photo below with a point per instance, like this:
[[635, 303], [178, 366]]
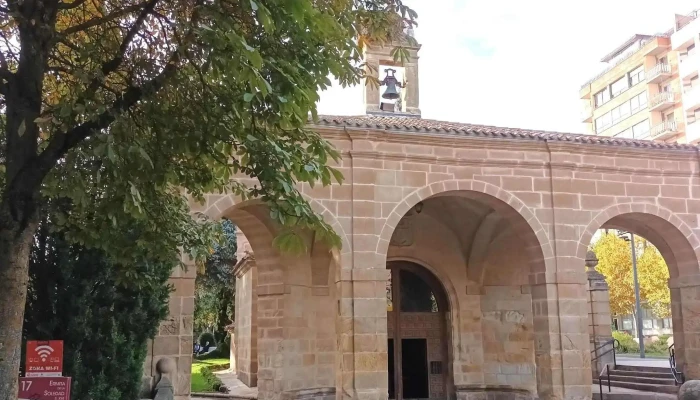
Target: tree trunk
[[15, 245]]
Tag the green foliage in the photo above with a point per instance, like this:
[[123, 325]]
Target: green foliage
[[203, 378], [123, 106], [627, 343], [215, 287], [207, 337], [657, 347], [615, 263], [75, 295]]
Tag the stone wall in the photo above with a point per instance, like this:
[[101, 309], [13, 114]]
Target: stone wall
[[509, 357], [174, 339], [552, 194]]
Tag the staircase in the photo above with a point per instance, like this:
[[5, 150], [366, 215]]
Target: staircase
[[645, 379]]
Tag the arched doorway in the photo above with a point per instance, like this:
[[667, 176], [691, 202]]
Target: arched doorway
[[417, 309]]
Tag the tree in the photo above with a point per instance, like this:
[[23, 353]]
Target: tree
[[154, 98], [653, 281], [615, 263], [215, 287], [75, 295]]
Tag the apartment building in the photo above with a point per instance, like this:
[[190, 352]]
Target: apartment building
[[638, 95], [684, 42]]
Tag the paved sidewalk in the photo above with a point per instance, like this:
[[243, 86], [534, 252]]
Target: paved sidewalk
[[643, 362]]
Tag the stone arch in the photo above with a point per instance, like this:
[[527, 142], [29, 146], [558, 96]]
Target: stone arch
[[535, 238], [672, 236], [219, 205], [447, 286], [678, 245]]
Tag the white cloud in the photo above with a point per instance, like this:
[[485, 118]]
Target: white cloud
[[514, 63]]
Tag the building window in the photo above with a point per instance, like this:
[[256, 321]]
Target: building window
[[647, 324], [641, 130], [638, 102], [603, 122], [620, 113], [637, 75], [627, 133], [627, 324], [619, 86], [602, 97]]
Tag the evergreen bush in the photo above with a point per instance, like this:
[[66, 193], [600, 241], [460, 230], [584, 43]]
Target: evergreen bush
[[207, 337], [77, 295]]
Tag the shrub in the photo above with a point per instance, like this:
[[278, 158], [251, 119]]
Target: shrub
[[79, 296], [658, 346], [207, 337], [627, 342]]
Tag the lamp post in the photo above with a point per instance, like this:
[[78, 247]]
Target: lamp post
[[637, 300]]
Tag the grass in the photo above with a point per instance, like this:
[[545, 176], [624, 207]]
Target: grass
[[200, 382]]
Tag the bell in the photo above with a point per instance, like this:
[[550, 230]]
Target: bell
[[390, 92], [391, 83]]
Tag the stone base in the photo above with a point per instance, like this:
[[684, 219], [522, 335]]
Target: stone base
[[324, 393], [493, 393]]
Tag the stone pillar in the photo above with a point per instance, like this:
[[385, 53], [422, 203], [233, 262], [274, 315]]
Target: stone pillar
[[599, 322], [174, 338], [685, 308], [368, 308], [562, 351], [246, 337]]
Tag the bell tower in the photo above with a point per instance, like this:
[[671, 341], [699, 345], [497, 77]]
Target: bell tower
[[398, 94]]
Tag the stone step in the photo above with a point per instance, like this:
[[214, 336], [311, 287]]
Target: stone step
[[645, 374], [633, 396], [644, 387], [642, 369], [669, 381]]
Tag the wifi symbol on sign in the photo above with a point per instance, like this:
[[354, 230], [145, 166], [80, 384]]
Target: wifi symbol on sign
[[44, 352]]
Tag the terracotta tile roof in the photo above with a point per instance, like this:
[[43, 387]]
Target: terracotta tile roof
[[417, 125]]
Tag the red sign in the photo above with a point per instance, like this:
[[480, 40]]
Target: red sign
[[44, 358], [44, 388]]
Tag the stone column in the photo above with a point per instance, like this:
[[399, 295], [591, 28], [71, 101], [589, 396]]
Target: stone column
[[246, 338], [599, 322], [685, 308], [174, 338], [562, 351]]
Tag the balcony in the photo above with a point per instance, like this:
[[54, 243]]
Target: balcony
[[587, 113], [692, 132], [663, 100], [689, 66], [686, 30], [665, 130], [691, 98], [660, 72]]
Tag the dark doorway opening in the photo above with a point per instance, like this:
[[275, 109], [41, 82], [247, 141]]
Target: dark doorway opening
[[392, 392], [414, 365]]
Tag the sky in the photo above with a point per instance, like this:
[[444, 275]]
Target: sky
[[517, 64]]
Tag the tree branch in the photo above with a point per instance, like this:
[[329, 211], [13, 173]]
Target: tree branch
[[112, 65], [101, 20], [62, 142], [68, 6]]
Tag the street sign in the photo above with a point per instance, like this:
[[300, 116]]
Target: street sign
[[44, 388], [44, 358]]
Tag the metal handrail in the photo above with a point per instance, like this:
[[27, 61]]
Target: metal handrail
[[615, 345], [660, 68], [677, 375], [666, 126]]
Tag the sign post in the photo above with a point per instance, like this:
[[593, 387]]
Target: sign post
[[44, 358], [44, 388]]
